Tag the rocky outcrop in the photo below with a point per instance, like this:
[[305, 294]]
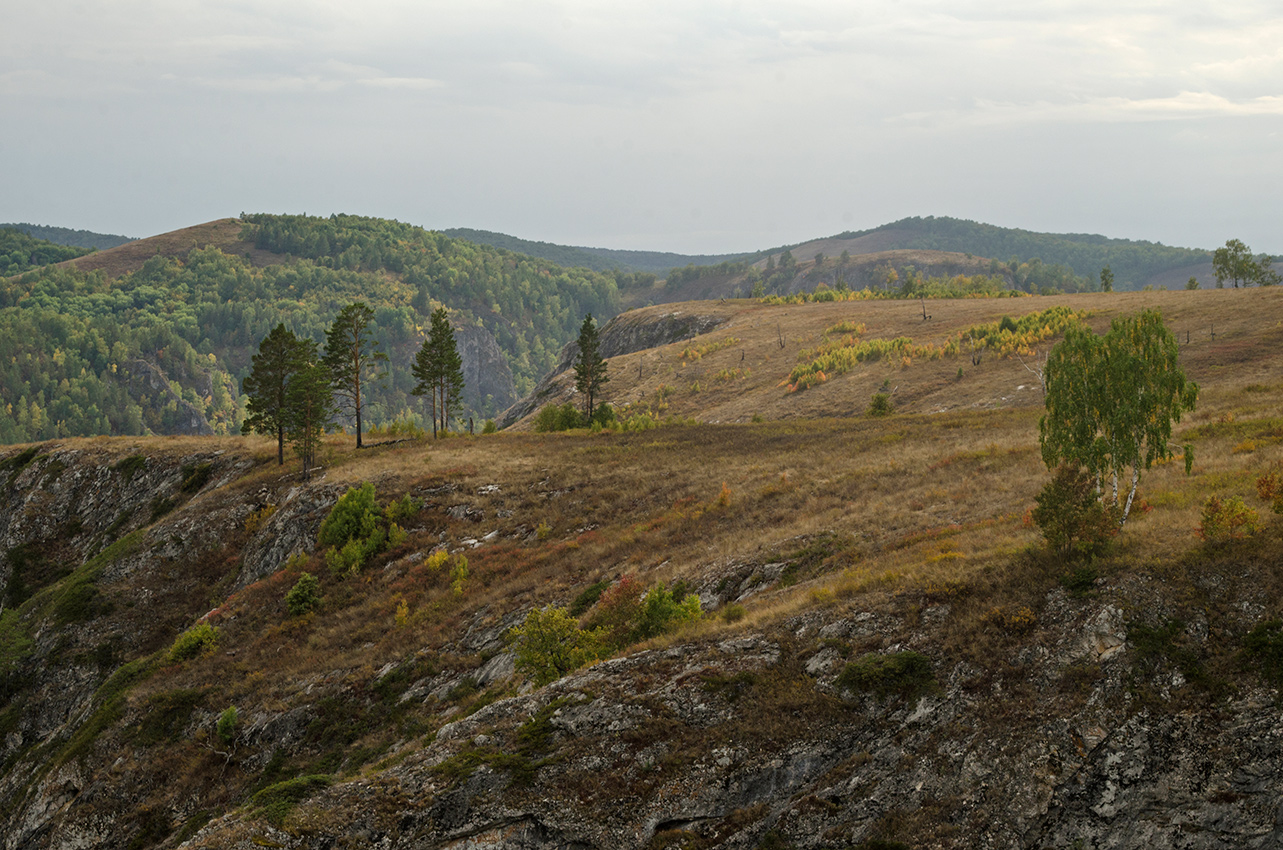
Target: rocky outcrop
[[487, 378], [636, 330], [142, 376]]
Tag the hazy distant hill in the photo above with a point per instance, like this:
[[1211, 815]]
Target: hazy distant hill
[[75, 238], [599, 259]]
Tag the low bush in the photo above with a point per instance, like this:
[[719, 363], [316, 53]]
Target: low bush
[[226, 726], [550, 644], [907, 674], [1071, 516], [304, 596], [1227, 519], [881, 405], [1263, 651], [275, 802], [558, 417], [197, 640]]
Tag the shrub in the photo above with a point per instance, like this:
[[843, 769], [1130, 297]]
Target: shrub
[[1071, 516], [489, 427], [197, 640], [550, 644], [588, 598], [1227, 519], [1269, 487], [275, 802], [255, 521], [907, 674], [403, 508], [663, 610], [881, 405], [733, 613], [304, 596], [354, 516], [459, 575], [559, 417], [226, 726]]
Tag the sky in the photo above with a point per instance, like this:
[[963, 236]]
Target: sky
[[695, 126]]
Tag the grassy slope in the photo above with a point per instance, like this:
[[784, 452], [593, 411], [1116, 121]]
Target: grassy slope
[[925, 505]]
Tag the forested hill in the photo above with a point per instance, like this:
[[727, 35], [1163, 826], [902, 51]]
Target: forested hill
[[20, 252], [73, 238], [163, 344], [1134, 263], [602, 259]]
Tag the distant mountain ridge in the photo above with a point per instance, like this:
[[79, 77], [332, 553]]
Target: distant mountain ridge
[[73, 238], [597, 259]]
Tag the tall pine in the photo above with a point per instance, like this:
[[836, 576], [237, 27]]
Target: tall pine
[[280, 355], [590, 368], [352, 353], [438, 369]]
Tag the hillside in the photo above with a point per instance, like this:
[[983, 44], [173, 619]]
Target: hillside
[[600, 259], [887, 654], [20, 252], [156, 335], [69, 237]]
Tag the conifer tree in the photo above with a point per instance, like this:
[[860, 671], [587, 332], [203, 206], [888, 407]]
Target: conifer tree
[[352, 352], [279, 357], [590, 368], [310, 404], [439, 369]]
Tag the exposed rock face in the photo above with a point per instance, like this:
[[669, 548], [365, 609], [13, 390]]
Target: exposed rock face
[[141, 374], [636, 330], [487, 378]]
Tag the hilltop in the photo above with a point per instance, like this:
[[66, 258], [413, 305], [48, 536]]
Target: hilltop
[[69, 237], [888, 655]]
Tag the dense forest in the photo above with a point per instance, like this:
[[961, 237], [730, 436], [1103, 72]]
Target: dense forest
[[170, 342], [20, 252], [1132, 262], [656, 263], [67, 236]]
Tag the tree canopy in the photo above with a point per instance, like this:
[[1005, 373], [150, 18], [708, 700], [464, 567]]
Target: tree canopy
[[352, 355], [590, 367], [266, 388], [1111, 400], [439, 370]]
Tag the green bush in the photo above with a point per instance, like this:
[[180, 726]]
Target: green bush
[[588, 598], [881, 405], [550, 644], [1071, 516], [197, 640], [1227, 519], [489, 427], [354, 516], [275, 802], [226, 726], [403, 508], [304, 596], [559, 417], [907, 674], [196, 476]]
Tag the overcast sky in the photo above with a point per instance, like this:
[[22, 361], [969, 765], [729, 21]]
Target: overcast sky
[[687, 126]]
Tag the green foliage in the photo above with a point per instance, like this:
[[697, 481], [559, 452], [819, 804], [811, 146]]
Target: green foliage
[[130, 466], [304, 596], [627, 613], [352, 356], [489, 428], [1235, 263], [1071, 515], [275, 802], [1080, 580], [588, 598], [589, 366], [558, 417], [20, 252], [907, 674], [309, 405], [404, 508], [881, 405], [663, 610], [1263, 650], [355, 516], [1227, 519], [549, 644], [1111, 400], [198, 640], [281, 355], [226, 726], [15, 641], [439, 370]]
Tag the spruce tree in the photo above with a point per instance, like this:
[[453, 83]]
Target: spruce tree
[[590, 368], [310, 405]]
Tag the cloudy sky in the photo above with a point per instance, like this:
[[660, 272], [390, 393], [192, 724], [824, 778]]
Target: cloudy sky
[[692, 125]]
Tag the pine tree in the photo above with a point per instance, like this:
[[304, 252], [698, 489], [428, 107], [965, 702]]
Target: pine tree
[[279, 357], [439, 369], [590, 368], [351, 351], [309, 405]]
